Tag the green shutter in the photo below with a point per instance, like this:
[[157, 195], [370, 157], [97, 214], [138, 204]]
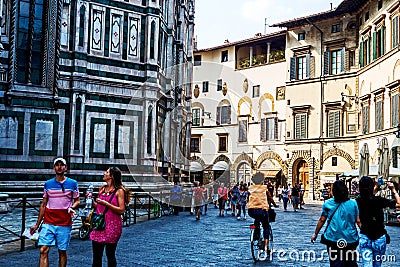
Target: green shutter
[[361, 54], [382, 40], [374, 42]]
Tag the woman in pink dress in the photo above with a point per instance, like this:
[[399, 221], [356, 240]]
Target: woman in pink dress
[[115, 202]]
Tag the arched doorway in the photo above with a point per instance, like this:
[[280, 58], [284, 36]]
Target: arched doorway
[[243, 173], [301, 175]]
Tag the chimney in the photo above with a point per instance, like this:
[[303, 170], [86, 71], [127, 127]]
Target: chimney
[[331, 6]]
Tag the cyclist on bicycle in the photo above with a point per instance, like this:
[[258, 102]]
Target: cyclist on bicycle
[[258, 205]]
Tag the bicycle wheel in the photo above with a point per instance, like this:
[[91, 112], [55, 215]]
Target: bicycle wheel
[[255, 242], [127, 217], [84, 232], [270, 242]]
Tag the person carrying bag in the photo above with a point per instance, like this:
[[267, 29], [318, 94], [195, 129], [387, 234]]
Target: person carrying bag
[[98, 221], [341, 235]]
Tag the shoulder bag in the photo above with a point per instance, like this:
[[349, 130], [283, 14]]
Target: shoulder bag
[[323, 239], [98, 221]]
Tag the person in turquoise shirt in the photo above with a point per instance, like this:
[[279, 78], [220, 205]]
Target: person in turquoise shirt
[[341, 235]]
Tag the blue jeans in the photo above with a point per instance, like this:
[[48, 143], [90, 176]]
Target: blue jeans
[[260, 216], [371, 251]]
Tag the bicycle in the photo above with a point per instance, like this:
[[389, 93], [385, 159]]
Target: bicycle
[[127, 217], [257, 243], [86, 227], [166, 208]]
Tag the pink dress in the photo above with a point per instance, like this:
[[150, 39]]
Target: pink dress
[[113, 230]]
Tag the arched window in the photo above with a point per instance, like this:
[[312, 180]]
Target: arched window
[[224, 113]]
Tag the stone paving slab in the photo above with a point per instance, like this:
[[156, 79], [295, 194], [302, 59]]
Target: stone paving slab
[[212, 241]]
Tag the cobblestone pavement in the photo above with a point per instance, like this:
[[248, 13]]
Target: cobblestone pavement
[[212, 241]]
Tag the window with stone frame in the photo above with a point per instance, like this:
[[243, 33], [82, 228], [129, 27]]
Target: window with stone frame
[[364, 48], [334, 123], [334, 61], [195, 144], [196, 119], [243, 126], [269, 127], [365, 109], [223, 114], [301, 64], [379, 111], [223, 143], [300, 126], [379, 115], [378, 42], [394, 88], [394, 16], [300, 121]]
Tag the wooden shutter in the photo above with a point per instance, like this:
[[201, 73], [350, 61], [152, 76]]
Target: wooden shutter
[[242, 130], [395, 110], [382, 29], [228, 114], [308, 66], [361, 55], [378, 116], [218, 116], [301, 126], [263, 129], [293, 68], [374, 42], [368, 52], [342, 59], [276, 136], [365, 119], [327, 55]]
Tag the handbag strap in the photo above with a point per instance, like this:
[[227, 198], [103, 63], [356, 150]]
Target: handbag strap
[[330, 218], [109, 201]]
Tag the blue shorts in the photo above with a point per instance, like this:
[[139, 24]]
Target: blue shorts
[[51, 235]]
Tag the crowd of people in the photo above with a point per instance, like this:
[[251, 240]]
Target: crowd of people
[[341, 214]]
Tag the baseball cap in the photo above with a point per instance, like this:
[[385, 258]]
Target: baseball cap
[[63, 161]]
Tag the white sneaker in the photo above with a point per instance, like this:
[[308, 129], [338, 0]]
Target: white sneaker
[[244, 218], [238, 218]]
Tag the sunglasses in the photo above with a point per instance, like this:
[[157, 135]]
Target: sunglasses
[[62, 187]]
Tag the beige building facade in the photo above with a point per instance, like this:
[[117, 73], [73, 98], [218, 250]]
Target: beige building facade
[[336, 89]]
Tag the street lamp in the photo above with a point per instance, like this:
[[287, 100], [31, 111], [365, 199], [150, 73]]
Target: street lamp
[[349, 97]]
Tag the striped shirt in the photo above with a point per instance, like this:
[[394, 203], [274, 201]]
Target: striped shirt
[[60, 197]]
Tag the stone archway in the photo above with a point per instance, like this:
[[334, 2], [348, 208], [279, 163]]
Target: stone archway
[[338, 152], [271, 155], [313, 166], [239, 170]]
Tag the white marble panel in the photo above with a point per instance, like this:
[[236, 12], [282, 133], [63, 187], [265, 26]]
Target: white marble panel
[[44, 135], [123, 139], [8, 132], [99, 136]]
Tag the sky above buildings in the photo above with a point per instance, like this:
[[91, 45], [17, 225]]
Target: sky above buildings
[[218, 20]]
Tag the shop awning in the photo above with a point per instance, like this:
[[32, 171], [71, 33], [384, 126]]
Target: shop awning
[[220, 166], [373, 171], [270, 173], [195, 167]]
